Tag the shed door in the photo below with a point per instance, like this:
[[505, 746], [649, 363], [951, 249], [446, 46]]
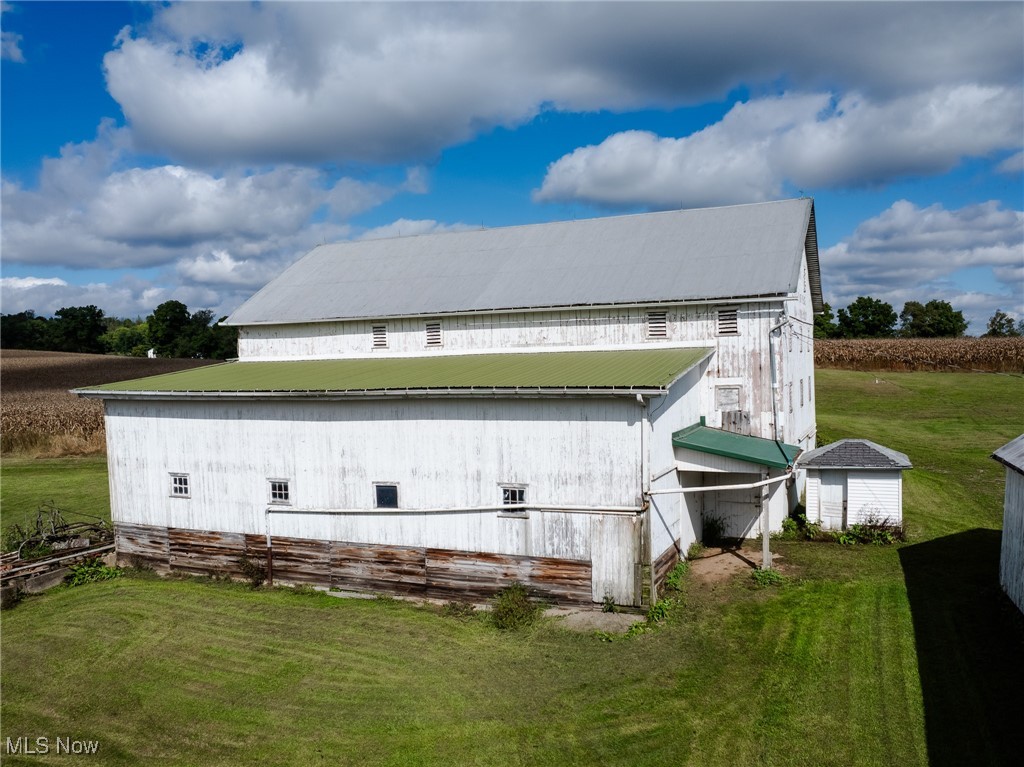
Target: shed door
[[832, 500]]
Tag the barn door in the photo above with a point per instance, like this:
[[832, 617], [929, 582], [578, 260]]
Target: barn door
[[832, 500]]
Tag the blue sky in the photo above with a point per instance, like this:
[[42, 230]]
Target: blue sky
[[192, 151]]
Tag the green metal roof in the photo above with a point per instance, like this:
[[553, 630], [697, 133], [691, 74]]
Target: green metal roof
[[599, 371], [765, 452]]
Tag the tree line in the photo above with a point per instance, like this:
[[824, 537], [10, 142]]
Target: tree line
[[171, 331], [869, 317]]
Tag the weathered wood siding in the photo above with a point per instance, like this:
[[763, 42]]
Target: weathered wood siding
[[428, 572], [874, 495], [663, 565], [441, 453], [1011, 560]]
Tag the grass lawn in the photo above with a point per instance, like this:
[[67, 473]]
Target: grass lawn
[[75, 485], [865, 656]]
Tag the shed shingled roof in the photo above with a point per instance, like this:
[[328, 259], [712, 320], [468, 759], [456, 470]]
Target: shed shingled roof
[[740, 251], [854, 454], [1012, 454]]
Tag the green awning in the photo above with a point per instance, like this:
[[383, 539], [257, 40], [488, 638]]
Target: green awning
[[650, 370], [765, 452]]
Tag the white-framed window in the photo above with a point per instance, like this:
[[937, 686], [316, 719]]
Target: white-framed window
[[513, 495], [280, 491], [180, 487], [728, 321], [434, 337], [380, 336], [385, 495], [657, 324], [727, 398]]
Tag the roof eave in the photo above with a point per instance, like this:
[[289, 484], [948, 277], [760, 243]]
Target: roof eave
[[310, 394]]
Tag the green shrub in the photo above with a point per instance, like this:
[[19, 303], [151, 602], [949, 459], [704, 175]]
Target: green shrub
[[674, 579], [513, 609], [608, 604], [770, 577], [695, 550], [878, 532], [90, 571], [790, 530], [253, 569]]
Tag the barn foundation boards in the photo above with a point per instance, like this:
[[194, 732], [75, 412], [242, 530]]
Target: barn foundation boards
[[446, 414]]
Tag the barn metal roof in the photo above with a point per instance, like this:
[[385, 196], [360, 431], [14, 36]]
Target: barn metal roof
[[764, 452], [584, 372], [1012, 454], [854, 454], [741, 251]]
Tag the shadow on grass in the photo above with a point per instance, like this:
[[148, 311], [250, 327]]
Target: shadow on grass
[[970, 650]]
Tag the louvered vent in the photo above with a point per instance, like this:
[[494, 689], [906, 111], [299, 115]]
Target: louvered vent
[[657, 325], [433, 334], [728, 322], [380, 336]]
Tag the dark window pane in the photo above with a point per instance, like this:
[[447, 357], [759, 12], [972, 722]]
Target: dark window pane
[[387, 496]]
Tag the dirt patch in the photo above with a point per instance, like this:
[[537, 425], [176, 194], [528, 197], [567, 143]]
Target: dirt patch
[[716, 565], [587, 620]]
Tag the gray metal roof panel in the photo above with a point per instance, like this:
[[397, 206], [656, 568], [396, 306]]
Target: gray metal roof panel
[[1012, 454], [854, 454], [729, 252]]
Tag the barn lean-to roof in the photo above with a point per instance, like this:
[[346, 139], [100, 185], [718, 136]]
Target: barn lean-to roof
[[734, 252], [602, 373]]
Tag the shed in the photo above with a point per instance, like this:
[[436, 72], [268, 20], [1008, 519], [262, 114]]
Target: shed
[[854, 481], [1011, 557]]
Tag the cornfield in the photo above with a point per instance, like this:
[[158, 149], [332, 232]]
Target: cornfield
[[39, 415], [990, 355]]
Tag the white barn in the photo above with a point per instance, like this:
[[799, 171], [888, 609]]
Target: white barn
[[854, 481], [1011, 559], [558, 404]]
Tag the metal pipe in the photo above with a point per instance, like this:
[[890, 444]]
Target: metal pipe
[[747, 486], [606, 510]]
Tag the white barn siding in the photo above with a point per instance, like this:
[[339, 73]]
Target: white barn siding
[[1011, 560], [876, 495], [441, 453], [811, 489]]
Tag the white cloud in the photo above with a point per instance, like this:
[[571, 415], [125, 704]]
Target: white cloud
[[24, 283], [1012, 164], [803, 140], [91, 208], [10, 42], [911, 253], [308, 82]]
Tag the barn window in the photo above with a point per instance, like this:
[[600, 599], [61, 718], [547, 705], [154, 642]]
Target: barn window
[[434, 334], [790, 388], [657, 325], [380, 336], [727, 398], [180, 486], [801, 392], [728, 322], [280, 491], [386, 495], [515, 496]]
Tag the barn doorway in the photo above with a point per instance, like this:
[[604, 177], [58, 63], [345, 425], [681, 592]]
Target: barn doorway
[[832, 500]]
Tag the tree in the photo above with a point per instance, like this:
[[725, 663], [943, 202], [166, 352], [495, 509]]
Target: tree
[[130, 339], [935, 319], [24, 331], [168, 325], [867, 318], [825, 323], [1001, 325], [77, 329]]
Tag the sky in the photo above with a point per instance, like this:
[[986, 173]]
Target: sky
[[192, 151]]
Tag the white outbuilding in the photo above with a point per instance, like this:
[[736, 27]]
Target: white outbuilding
[[854, 481], [1011, 558]]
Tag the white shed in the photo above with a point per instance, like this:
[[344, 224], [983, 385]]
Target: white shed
[[1011, 558], [854, 481]]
